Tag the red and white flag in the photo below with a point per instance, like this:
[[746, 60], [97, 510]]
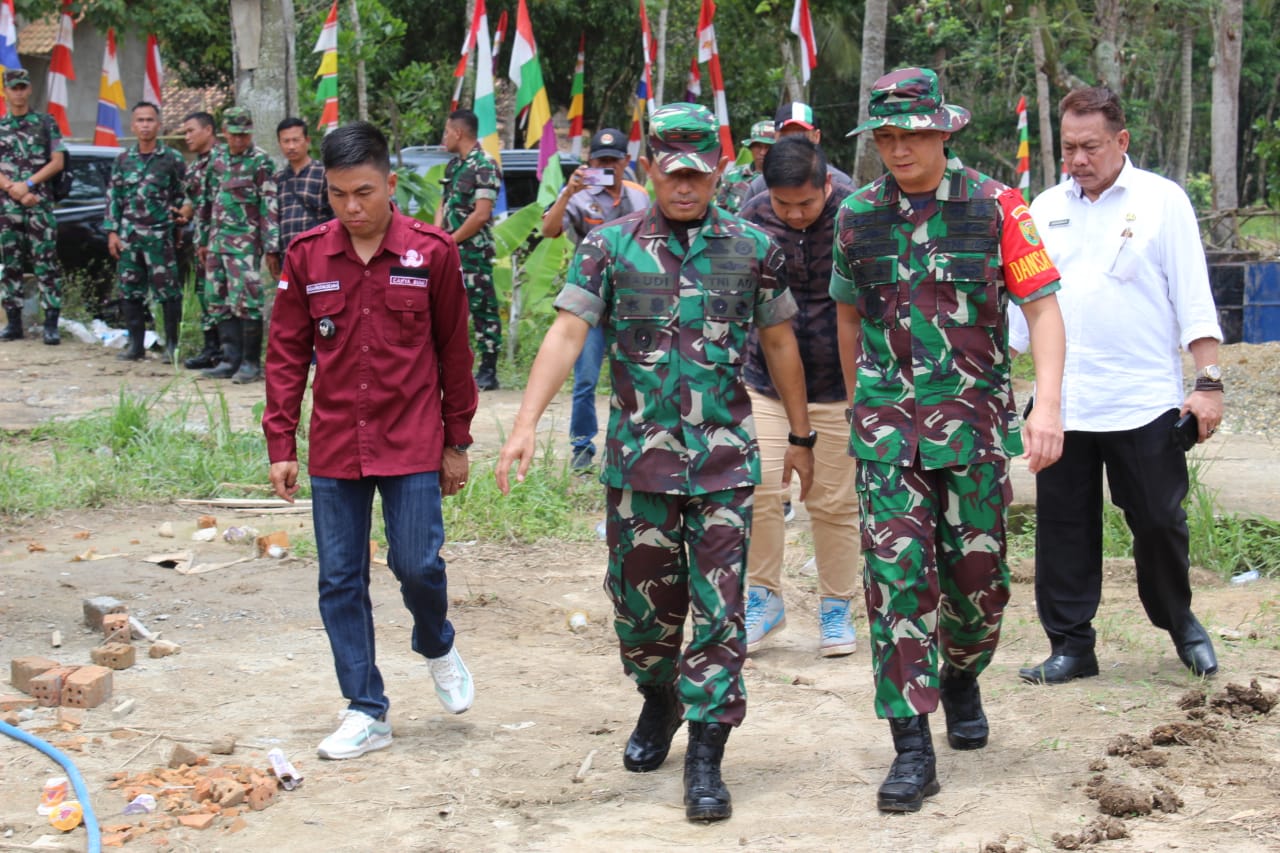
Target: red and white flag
[[693, 88], [460, 72], [499, 35], [710, 54], [647, 46], [802, 26], [61, 69], [153, 83]]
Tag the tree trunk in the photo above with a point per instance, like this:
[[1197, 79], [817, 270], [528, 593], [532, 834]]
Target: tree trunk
[[1044, 109], [1228, 21], [875, 23], [362, 97], [793, 88], [261, 37], [1106, 50], [660, 61], [1182, 153]]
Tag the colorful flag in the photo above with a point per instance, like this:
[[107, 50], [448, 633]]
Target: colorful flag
[[327, 91], [802, 26], [576, 98], [460, 72], [1024, 151], [8, 41], [637, 126], [499, 36], [485, 106], [61, 69], [648, 47], [531, 95], [693, 88], [153, 82], [110, 96], [710, 54]]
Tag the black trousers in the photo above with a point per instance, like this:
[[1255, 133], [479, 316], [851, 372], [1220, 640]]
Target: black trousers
[[1148, 480]]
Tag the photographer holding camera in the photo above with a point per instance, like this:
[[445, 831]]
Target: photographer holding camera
[[595, 194]]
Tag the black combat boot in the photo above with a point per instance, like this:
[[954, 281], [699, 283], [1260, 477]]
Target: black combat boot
[[135, 324], [660, 718], [208, 356], [251, 362], [13, 331], [487, 376], [705, 796], [962, 703], [229, 332], [172, 327], [914, 774], [51, 335]]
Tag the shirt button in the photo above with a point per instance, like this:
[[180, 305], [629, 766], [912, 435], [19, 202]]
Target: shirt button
[[366, 310], [364, 386], [364, 349], [362, 423], [366, 272], [408, 303]]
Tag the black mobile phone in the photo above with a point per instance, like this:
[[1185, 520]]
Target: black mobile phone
[[1186, 432]]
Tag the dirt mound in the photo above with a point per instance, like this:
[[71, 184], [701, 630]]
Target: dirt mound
[[1241, 702], [1101, 829]]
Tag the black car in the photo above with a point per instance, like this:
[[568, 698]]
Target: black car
[[519, 169], [82, 241]]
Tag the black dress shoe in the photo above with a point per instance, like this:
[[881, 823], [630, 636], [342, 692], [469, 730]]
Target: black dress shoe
[[1059, 669], [1195, 649]]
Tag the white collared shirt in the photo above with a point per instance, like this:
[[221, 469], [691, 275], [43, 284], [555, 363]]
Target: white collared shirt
[[1134, 289]]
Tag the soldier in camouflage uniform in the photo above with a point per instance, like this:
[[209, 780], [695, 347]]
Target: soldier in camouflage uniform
[[926, 260], [471, 184], [148, 186], [235, 228], [736, 183], [31, 154], [677, 287], [200, 132]]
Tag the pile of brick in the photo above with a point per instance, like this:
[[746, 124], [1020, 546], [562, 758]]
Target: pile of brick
[[196, 796]]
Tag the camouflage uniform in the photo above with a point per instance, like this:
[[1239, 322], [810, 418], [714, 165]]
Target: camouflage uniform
[[735, 186], [934, 420], [680, 454], [195, 183], [28, 234], [467, 180], [143, 191], [237, 223]]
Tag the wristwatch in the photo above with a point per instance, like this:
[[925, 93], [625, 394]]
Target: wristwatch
[[1212, 372], [31, 184], [460, 448], [803, 440]]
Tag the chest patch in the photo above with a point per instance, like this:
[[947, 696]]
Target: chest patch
[[323, 287]]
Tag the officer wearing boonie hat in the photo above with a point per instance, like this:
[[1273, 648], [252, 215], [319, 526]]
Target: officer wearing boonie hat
[[677, 289], [735, 186], [926, 259]]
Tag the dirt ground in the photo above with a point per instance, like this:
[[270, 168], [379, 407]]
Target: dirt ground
[[536, 764]]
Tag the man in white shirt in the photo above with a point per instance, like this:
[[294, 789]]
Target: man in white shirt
[[1134, 290]]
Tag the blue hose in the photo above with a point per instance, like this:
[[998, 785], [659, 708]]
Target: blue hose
[[77, 781]]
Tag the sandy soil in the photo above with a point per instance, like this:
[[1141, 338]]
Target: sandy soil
[[509, 774]]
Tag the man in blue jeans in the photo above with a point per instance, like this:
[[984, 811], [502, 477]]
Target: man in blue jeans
[[380, 300], [595, 194]]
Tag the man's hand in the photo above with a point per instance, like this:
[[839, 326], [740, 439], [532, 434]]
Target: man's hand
[[453, 471], [284, 479], [1043, 434], [16, 190], [800, 460], [203, 254], [114, 245], [519, 449], [1207, 407], [273, 264], [30, 199]]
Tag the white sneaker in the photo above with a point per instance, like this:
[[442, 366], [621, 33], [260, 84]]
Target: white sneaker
[[453, 681], [358, 734]]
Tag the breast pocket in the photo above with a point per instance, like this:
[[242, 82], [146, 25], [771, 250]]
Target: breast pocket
[[876, 289], [643, 325], [967, 289], [241, 190], [726, 319], [405, 323], [326, 310]]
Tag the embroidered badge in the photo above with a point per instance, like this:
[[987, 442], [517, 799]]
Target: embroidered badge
[[283, 284], [408, 281], [411, 258], [323, 287]]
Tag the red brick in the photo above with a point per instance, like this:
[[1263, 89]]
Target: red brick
[[100, 606], [115, 627], [198, 821], [15, 702], [263, 793], [46, 688], [22, 670], [114, 655], [87, 687]]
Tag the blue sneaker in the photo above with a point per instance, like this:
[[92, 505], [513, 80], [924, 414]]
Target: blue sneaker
[[454, 687], [765, 614], [838, 637]]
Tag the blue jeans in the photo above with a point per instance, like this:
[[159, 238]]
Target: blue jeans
[[342, 510], [586, 373]]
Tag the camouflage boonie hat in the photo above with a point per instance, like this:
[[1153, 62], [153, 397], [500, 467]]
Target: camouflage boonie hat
[[761, 131], [911, 98], [237, 120], [684, 136], [17, 77], [795, 113]]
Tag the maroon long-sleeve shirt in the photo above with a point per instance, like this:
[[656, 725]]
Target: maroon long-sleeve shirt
[[393, 381]]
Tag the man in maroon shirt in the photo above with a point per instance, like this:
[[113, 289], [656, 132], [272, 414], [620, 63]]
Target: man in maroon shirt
[[381, 303]]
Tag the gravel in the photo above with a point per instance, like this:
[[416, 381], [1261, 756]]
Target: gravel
[[1251, 373]]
